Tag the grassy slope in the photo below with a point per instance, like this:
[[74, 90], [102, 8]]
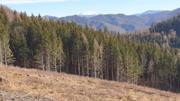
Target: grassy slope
[[64, 87]]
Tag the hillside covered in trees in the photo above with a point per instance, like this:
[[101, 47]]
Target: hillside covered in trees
[[144, 58], [120, 22]]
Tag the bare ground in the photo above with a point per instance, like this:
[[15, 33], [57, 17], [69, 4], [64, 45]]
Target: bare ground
[[18, 84]]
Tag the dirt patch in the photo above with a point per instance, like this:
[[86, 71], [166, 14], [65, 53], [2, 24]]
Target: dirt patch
[[33, 80], [3, 81], [19, 96]]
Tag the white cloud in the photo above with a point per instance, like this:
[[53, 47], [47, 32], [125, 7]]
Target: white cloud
[[89, 13], [29, 1]]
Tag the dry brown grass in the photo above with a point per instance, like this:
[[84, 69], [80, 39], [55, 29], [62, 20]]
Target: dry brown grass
[[64, 87]]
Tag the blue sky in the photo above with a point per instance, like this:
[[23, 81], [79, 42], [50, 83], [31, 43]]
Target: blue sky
[[61, 8]]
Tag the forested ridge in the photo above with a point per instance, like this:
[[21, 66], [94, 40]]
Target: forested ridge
[[146, 58]]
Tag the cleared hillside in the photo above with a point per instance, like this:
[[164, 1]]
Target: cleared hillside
[[33, 85]]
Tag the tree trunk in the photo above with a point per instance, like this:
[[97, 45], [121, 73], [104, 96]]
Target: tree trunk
[[5, 55], [79, 66], [42, 62], [55, 64], [48, 62], [117, 71], [1, 56], [60, 64]]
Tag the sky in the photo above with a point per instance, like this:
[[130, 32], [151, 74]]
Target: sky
[[61, 8]]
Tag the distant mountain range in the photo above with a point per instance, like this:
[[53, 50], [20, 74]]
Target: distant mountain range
[[119, 22]]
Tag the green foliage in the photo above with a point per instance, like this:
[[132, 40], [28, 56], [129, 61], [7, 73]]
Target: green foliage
[[150, 59], [5, 52]]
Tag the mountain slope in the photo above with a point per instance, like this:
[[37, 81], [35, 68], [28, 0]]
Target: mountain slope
[[34, 85], [168, 26], [120, 22]]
